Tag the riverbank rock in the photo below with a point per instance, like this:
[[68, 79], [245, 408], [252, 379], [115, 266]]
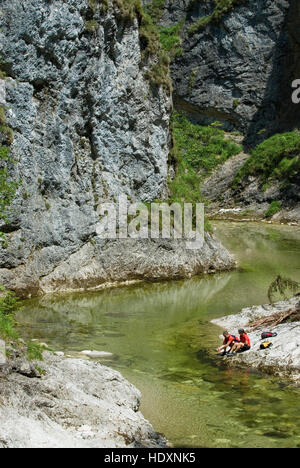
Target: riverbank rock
[[96, 354], [283, 358], [75, 404]]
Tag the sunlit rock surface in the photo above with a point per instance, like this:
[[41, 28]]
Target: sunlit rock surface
[[283, 358]]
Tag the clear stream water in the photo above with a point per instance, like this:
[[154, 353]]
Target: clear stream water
[[164, 344]]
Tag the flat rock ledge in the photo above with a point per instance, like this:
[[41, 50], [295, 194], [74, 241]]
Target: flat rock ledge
[[76, 404], [112, 263], [283, 358]]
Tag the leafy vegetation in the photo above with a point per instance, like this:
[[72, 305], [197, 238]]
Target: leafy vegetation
[[274, 208], [155, 9], [159, 73], [153, 54], [35, 351], [222, 7], [7, 187], [9, 303], [192, 79], [95, 4], [202, 148], [197, 150], [277, 158], [170, 39], [91, 26]]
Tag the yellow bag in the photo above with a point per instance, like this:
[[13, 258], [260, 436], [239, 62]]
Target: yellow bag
[[266, 345]]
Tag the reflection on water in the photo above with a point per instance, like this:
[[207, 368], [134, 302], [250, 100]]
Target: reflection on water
[[163, 342]]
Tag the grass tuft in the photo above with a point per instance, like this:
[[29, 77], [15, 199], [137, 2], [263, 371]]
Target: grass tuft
[[222, 7], [34, 351], [197, 150], [277, 158], [9, 303], [274, 208]]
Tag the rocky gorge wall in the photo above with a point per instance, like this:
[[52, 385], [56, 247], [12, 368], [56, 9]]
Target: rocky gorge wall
[[88, 125], [238, 67], [234, 65]]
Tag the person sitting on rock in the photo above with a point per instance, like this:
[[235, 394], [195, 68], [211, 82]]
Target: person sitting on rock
[[229, 341], [244, 345]]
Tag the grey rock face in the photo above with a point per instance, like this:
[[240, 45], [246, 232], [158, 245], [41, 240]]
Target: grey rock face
[[289, 111], [234, 70], [87, 127], [2, 353], [95, 266], [283, 358], [76, 404]]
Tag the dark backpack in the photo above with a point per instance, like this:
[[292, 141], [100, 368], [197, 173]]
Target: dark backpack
[[266, 335]]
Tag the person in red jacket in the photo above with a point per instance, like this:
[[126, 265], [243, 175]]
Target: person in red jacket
[[229, 341], [244, 345]]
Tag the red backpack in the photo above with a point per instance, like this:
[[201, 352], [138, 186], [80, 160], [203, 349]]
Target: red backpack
[[265, 335]]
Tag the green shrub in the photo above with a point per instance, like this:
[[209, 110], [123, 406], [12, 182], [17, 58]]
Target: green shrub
[[155, 9], [159, 72], [274, 208], [91, 26], [277, 158], [170, 39], [7, 187], [203, 148], [222, 7], [34, 351], [192, 79], [236, 103], [197, 150], [8, 327], [200, 24], [9, 303]]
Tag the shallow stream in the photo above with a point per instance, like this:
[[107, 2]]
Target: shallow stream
[[164, 344]]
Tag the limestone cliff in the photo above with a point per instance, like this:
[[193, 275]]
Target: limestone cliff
[[88, 125], [236, 66]]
